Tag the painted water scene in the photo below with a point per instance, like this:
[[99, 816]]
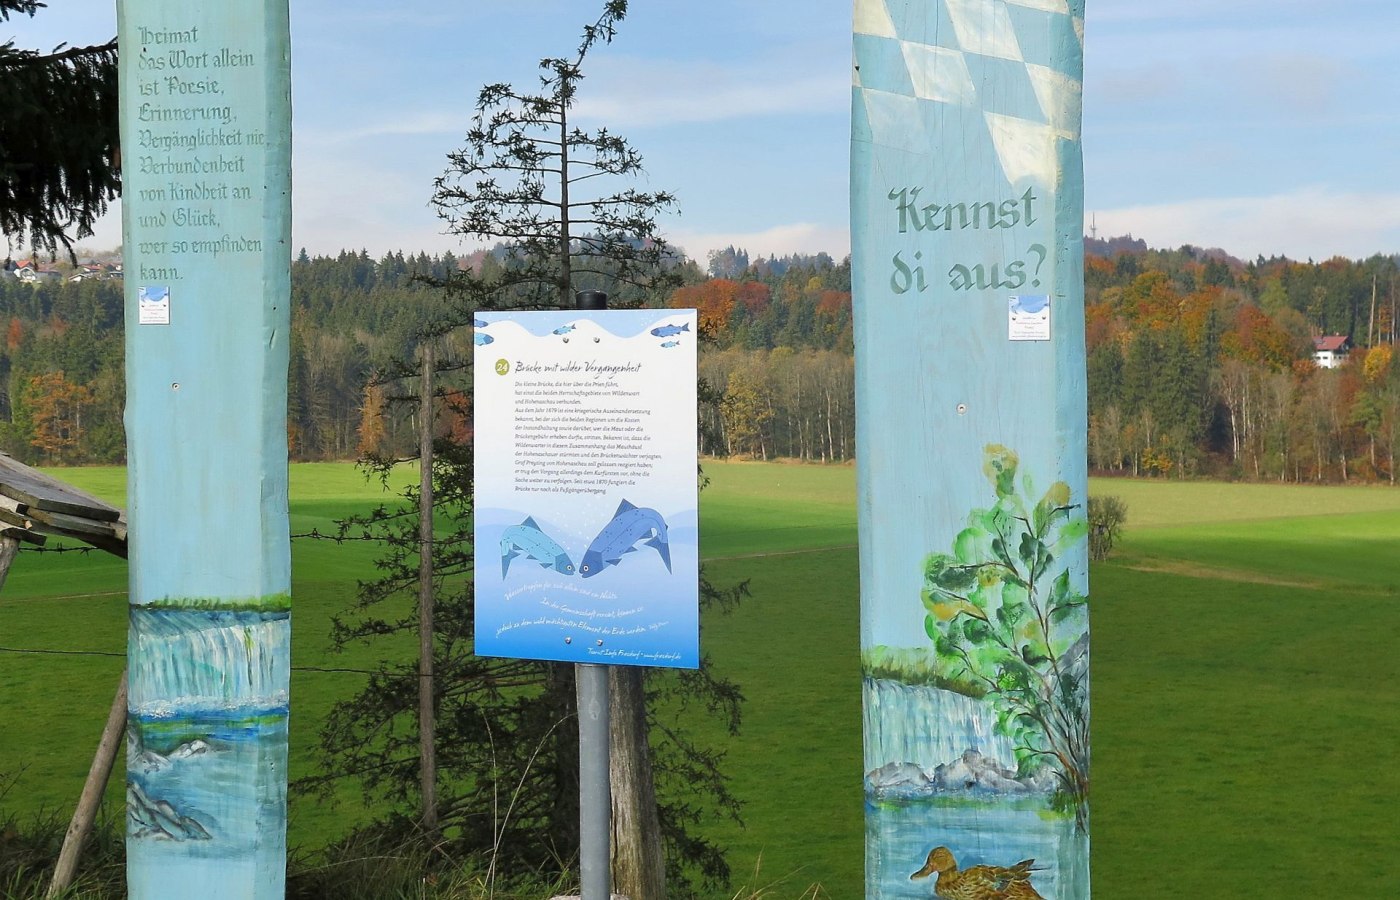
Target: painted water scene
[[396, 399], [208, 703], [978, 741]]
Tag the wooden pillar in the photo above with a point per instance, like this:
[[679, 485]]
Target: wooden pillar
[[9, 549], [206, 138], [967, 243], [427, 707], [638, 860]]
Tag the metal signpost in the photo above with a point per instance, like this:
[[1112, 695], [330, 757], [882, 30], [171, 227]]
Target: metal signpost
[[206, 139], [594, 748], [967, 229], [586, 516]]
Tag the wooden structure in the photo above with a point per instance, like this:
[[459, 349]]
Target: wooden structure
[[33, 508]]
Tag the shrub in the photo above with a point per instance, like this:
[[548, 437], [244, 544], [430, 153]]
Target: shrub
[[1106, 518]]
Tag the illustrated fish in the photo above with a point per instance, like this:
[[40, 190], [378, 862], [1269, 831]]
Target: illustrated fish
[[482, 339], [527, 540], [628, 526], [564, 329], [480, 323], [671, 344], [668, 330]]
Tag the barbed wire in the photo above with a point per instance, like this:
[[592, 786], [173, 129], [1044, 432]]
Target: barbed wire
[[316, 535], [33, 651], [312, 535]]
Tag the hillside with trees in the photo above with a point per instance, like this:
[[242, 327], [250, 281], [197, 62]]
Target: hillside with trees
[[1199, 364]]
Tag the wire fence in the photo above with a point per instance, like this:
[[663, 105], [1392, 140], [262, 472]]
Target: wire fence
[[312, 535], [332, 670]]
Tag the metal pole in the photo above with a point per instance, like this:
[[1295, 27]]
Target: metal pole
[[595, 787]]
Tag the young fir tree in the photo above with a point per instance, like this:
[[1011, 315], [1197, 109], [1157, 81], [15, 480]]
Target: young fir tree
[[559, 201]]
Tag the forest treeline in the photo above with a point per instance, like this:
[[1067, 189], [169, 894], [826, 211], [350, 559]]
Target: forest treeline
[[1201, 364], [1198, 363]]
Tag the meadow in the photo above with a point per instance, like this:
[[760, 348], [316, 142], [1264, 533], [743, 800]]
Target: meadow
[[1244, 668]]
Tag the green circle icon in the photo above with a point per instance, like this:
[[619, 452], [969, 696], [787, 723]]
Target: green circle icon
[[502, 367]]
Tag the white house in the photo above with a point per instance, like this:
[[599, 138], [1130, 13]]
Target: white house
[[1330, 350]]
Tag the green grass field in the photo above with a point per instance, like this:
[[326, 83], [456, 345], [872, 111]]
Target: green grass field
[[1244, 669]]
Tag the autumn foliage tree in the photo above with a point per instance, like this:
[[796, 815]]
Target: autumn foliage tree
[[372, 429], [56, 409]]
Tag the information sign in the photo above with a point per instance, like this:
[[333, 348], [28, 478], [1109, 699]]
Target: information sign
[[587, 528]]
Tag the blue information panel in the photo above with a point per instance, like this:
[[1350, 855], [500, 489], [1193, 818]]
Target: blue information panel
[[587, 526]]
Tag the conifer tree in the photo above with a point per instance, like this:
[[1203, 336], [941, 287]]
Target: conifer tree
[[60, 161], [558, 201]]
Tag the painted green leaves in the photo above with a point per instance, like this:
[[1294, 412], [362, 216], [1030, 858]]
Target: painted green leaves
[[1006, 619]]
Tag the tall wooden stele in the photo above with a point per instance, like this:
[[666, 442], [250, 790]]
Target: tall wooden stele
[[967, 243], [206, 150]]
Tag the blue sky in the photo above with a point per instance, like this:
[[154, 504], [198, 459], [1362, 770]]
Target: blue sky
[[1259, 126]]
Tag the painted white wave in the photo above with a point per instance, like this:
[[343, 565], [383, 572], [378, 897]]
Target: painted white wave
[[188, 660], [928, 727]]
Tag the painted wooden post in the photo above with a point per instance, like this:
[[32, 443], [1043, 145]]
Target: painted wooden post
[[967, 240], [206, 138]]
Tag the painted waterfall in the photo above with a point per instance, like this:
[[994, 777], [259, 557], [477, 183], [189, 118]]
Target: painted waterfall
[[208, 707], [967, 217]]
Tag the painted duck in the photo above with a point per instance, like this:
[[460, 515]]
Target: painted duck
[[978, 882]]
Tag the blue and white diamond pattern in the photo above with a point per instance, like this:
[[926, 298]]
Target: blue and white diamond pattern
[[996, 56]]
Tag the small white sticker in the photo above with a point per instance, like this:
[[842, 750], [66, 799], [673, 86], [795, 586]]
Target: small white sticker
[[153, 304], [1028, 318]]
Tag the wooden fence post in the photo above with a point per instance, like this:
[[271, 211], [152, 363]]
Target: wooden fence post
[[427, 753], [91, 799]]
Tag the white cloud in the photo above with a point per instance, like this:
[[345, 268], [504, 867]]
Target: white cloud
[[655, 93], [353, 204], [1193, 11], [400, 123], [1307, 223], [780, 240], [106, 235]]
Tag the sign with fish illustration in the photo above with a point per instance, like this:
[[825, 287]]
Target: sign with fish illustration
[[967, 243], [587, 529]]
